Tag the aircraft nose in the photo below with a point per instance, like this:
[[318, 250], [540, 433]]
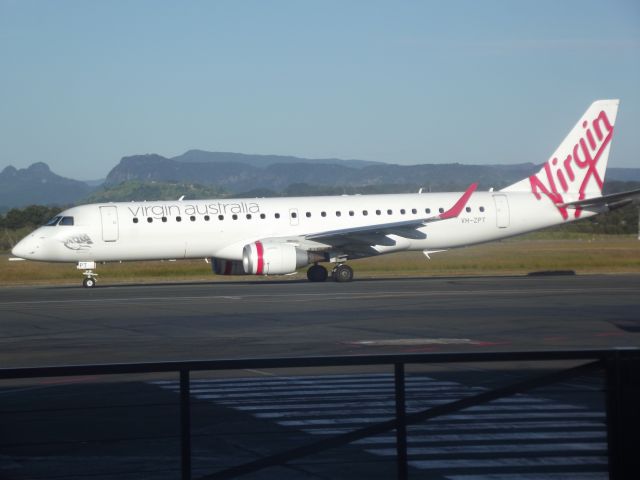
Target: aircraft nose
[[25, 248]]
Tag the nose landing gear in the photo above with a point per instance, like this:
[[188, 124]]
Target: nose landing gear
[[89, 275], [89, 281]]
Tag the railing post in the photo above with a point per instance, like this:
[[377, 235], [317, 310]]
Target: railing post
[[401, 423], [185, 424], [623, 414]]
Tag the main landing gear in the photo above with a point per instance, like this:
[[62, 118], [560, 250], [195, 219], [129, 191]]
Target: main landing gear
[[89, 275], [340, 273]]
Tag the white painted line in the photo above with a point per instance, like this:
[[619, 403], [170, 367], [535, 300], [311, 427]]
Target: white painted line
[[316, 388], [533, 476], [550, 447], [536, 424], [342, 392], [407, 342], [480, 437], [505, 416], [366, 410], [411, 405], [508, 462], [471, 426]]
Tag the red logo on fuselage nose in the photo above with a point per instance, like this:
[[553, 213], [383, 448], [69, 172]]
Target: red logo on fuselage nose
[[578, 167]]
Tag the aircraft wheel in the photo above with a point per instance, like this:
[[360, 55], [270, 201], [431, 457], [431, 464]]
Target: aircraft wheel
[[317, 273], [89, 282], [342, 273]]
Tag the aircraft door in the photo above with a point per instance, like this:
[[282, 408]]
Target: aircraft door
[[109, 217], [293, 217], [502, 210]]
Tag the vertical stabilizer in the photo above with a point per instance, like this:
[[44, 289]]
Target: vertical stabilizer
[[577, 168]]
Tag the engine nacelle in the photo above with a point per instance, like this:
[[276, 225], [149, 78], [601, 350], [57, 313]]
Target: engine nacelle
[[271, 258], [227, 267]]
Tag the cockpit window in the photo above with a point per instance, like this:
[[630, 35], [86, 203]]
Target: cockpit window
[[66, 221], [53, 222]]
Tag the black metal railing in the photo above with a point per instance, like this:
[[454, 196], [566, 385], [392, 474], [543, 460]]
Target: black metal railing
[[621, 368]]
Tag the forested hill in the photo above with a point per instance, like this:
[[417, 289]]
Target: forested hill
[[38, 185], [199, 174]]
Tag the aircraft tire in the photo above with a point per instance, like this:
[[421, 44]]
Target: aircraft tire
[[89, 282], [342, 273], [317, 273]]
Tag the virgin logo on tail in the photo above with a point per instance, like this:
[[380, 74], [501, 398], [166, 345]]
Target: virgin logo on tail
[[578, 167]]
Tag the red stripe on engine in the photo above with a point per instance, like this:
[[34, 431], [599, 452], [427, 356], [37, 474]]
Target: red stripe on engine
[[260, 253]]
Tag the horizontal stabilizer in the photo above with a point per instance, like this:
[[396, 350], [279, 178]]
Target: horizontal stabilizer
[[615, 200]]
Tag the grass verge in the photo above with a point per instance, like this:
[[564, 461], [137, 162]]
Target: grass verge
[[585, 254]]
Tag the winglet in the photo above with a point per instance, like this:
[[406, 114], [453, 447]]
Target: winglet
[[454, 211]]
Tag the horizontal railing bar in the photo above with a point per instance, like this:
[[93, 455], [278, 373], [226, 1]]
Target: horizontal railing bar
[[297, 362]]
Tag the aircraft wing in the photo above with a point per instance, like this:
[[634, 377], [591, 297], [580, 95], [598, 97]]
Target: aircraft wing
[[613, 201], [376, 234]]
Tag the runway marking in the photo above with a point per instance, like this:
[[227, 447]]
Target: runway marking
[[511, 462], [328, 295], [415, 341], [533, 476], [521, 437]]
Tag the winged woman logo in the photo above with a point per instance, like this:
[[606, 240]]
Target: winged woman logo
[[78, 242], [577, 171]]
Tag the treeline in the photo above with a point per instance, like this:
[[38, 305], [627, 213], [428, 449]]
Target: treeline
[[18, 222], [30, 216]]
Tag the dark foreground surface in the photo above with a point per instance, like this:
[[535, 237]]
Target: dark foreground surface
[[96, 428]]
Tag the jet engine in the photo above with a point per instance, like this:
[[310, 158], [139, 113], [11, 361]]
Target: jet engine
[[271, 258]]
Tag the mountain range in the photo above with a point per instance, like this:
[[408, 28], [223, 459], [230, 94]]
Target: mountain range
[[256, 175]]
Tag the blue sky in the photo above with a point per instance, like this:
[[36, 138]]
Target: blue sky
[[83, 83]]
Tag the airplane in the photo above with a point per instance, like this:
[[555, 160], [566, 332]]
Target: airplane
[[276, 236]]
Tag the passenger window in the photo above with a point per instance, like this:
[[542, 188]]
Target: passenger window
[[262, 216], [402, 211], [323, 214], [468, 209], [192, 218], [248, 216], [338, 214], [164, 219], [220, 217], [308, 214], [414, 211], [178, 219], [149, 219], [378, 212], [206, 218], [389, 212], [427, 210], [482, 209], [441, 210], [294, 215], [234, 216], [53, 222], [365, 213], [66, 221], [351, 213], [277, 215], [135, 220]]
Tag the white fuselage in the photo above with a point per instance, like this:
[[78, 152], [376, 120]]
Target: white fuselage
[[221, 228]]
